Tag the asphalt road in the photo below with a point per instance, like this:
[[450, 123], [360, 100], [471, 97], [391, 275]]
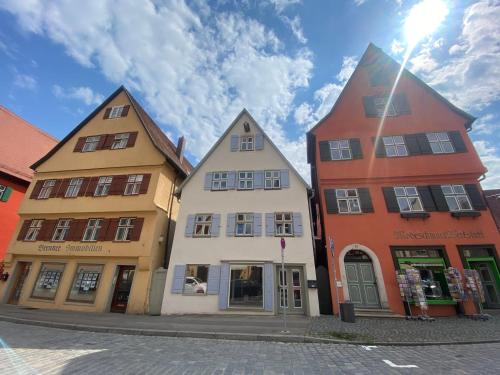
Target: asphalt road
[[37, 350]]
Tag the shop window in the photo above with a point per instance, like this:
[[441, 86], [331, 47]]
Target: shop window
[[272, 179], [61, 231], [348, 201], [133, 184], [48, 281], [440, 143], [202, 225], [244, 225], [91, 143], [408, 199], [124, 230], [246, 286], [92, 230], [116, 111], [46, 189], [380, 103], [395, 146], [195, 281], [340, 150], [85, 283], [247, 143], [283, 223], [74, 187], [456, 198], [120, 141], [219, 181], [245, 180], [33, 230], [103, 186]]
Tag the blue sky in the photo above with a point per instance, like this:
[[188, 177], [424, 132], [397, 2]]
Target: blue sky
[[194, 64]]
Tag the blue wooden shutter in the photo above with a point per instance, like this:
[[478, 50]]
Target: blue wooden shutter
[[257, 224], [213, 280], [231, 224], [285, 178], [268, 287], [224, 286], [6, 194], [297, 224], [189, 226], [270, 224], [234, 143], [208, 181], [258, 179], [215, 225], [259, 141], [231, 180], [178, 281]]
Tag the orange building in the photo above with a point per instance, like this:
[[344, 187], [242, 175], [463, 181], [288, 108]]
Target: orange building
[[397, 187]]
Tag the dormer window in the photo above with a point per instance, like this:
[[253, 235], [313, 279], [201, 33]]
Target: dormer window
[[116, 111], [120, 141], [247, 143]]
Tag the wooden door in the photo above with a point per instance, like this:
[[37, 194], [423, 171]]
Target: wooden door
[[21, 273], [122, 288], [292, 295], [490, 287], [363, 291]]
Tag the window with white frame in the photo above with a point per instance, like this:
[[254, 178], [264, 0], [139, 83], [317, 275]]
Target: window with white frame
[[283, 223], [395, 146], [116, 111], [103, 185], [33, 230], [120, 141], [2, 190], [92, 230], [125, 227], [340, 149], [219, 180], [91, 143], [272, 179], [74, 187], [244, 225], [408, 199], [246, 143], [348, 201], [62, 229], [440, 143], [380, 103], [245, 180], [202, 225], [133, 184], [46, 189], [456, 197]]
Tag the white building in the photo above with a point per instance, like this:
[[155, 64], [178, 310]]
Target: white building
[[235, 207]]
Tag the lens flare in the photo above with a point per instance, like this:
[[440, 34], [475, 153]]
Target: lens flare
[[424, 18]]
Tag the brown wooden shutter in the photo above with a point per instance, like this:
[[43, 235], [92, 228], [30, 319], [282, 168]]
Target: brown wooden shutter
[[118, 185], [125, 110], [145, 183], [107, 112], [62, 188], [36, 189], [131, 139], [55, 189], [111, 230], [76, 229], [79, 144], [24, 230], [92, 184], [104, 228], [324, 151], [47, 230], [84, 187], [102, 140], [136, 232], [108, 142]]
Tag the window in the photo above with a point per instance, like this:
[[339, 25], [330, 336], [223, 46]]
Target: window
[[244, 225], [85, 283], [408, 199], [440, 143], [133, 184], [92, 231], [456, 197], [196, 279], [283, 222], [33, 230], [116, 111], [120, 141], [246, 143], [245, 180], [202, 225], [395, 146], [219, 181], [380, 102], [74, 187], [348, 201], [2, 190], [62, 229], [124, 231], [340, 150], [48, 281], [46, 189], [103, 185], [272, 180], [246, 286], [91, 143]]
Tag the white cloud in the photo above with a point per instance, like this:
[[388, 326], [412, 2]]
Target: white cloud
[[281, 5], [490, 156], [295, 26], [486, 125], [359, 2], [25, 81], [83, 93], [397, 47]]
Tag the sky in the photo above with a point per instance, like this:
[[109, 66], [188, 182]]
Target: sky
[[194, 64]]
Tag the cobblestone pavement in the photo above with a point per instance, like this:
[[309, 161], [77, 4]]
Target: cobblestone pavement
[[38, 350]]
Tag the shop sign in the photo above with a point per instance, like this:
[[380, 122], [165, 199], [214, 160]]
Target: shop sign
[[447, 234], [71, 248]]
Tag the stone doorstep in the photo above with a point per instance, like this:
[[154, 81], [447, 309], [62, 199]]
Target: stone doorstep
[[377, 313]]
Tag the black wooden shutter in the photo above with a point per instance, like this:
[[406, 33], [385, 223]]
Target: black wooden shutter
[[439, 199], [390, 199], [458, 142], [324, 150], [475, 196], [369, 106], [331, 201], [357, 152], [411, 142], [401, 104], [426, 198], [366, 200], [379, 147], [423, 144]]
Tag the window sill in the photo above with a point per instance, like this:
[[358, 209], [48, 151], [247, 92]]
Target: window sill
[[415, 215], [438, 302], [459, 214]]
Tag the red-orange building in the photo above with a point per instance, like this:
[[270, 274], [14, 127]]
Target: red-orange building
[[21, 144], [399, 192]]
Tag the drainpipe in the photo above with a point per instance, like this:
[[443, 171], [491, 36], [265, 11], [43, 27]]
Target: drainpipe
[[167, 236], [482, 177], [309, 202]]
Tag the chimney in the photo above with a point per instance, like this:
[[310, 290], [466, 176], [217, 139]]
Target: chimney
[[181, 145]]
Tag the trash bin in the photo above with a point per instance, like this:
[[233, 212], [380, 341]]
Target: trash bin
[[347, 312]]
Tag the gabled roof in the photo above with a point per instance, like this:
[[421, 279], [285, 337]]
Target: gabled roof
[[374, 55], [216, 144], [21, 144], [157, 136]]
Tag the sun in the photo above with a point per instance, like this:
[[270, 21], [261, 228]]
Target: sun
[[424, 18]]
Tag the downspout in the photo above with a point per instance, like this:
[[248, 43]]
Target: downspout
[[313, 234], [167, 235]]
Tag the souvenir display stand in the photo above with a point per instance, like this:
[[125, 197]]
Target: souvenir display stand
[[475, 289], [456, 288], [410, 286], [405, 291]]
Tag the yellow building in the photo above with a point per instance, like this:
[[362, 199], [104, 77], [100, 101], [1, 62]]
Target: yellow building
[[97, 220]]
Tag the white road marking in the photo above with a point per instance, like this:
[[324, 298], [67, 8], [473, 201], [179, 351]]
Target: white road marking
[[368, 347], [399, 366]]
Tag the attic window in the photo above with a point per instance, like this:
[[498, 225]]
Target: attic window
[[116, 111]]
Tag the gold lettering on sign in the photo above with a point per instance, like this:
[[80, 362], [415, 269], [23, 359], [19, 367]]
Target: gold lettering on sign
[[49, 248], [89, 248], [447, 234]]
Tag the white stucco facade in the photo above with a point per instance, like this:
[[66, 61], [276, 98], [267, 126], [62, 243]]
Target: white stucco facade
[[224, 250]]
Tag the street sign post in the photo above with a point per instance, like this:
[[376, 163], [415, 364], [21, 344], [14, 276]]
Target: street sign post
[[332, 250], [282, 281]]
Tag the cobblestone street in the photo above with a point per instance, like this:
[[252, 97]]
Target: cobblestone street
[[37, 350]]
